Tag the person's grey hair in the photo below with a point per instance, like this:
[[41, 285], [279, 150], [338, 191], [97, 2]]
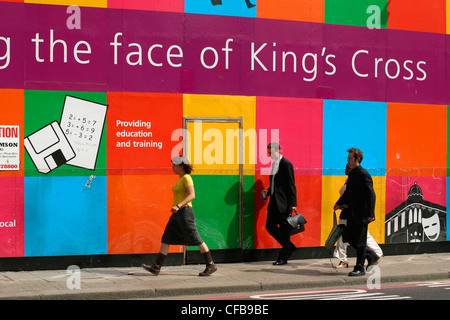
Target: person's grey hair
[[180, 160]]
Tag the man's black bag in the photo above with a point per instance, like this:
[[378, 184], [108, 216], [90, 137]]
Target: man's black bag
[[296, 223]]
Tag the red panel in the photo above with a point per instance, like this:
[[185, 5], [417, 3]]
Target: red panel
[[417, 15], [308, 203], [152, 117]]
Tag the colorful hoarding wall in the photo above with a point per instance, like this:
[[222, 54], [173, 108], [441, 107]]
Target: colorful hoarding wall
[[96, 97]]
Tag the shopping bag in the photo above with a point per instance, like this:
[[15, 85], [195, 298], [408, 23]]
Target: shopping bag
[[335, 233]]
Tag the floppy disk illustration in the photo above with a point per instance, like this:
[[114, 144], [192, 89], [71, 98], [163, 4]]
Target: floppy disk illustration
[[49, 148]]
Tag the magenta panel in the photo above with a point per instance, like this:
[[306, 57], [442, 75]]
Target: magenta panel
[[154, 5], [297, 125], [12, 217]]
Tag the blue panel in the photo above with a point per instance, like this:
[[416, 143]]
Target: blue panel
[[64, 217], [359, 124], [237, 8]]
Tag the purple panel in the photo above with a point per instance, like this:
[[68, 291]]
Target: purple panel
[[12, 28], [130, 31], [359, 57], [337, 62], [447, 73], [149, 51], [427, 51], [211, 34], [89, 73]]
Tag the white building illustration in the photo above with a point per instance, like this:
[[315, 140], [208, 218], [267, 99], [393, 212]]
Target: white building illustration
[[416, 220]]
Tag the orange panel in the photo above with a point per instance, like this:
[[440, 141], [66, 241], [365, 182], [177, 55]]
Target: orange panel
[[416, 140], [81, 3], [11, 107], [298, 10], [417, 15], [138, 211], [12, 111]]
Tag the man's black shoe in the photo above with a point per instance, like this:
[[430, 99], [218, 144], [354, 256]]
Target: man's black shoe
[[356, 273], [280, 262], [372, 263]]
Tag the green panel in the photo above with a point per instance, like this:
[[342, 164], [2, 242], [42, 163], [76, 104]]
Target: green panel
[[216, 208], [249, 212], [355, 12], [44, 107]]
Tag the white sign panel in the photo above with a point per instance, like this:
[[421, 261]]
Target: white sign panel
[[9, 148], [82, 122]]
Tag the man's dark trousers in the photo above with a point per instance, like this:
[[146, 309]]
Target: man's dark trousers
[[278, 229], [359, 242]]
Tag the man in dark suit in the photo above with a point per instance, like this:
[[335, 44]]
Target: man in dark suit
[[359, 197], [283, 199]]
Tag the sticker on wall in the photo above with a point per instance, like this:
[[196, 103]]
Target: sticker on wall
[[9, 148], [74, 141], [416, 220]]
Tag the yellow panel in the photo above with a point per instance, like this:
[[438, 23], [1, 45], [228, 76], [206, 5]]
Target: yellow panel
[[376, 228], [220, 106], [330, 194], [448, 16], [81, 3], [215, 106], [213, 148]]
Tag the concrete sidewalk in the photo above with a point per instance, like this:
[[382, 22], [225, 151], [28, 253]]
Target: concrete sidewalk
[[134, 282]]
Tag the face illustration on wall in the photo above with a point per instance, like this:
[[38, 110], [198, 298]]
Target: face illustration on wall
[[431, 227], [415, 232]]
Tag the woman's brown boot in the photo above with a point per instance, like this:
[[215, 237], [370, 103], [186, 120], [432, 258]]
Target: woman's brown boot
[[210, 266], [156, 267]]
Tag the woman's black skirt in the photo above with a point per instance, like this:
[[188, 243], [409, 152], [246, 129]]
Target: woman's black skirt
[[182, 229]]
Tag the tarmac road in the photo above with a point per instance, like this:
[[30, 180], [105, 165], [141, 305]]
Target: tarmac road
[[174, 281], [432, 290]]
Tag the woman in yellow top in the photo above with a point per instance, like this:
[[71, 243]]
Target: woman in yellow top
[[181, 228]]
